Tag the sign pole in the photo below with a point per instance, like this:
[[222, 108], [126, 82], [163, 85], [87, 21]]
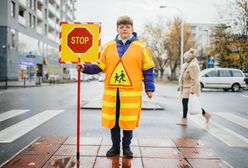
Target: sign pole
[[79, 39], [78, 115]]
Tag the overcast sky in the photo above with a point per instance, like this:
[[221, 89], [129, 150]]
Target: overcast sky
[[143, 11]]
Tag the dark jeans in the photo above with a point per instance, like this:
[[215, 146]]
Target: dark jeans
[[115, 131], [185, 107]]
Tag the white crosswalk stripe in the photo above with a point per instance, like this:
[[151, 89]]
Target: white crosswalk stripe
[[11, 113], [233, 118], [19, 129], [226, 135], [244, 96]]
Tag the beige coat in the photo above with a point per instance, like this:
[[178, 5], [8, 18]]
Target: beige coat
[[189, 82]]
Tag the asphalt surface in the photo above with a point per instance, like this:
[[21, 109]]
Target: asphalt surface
[[153, 123]]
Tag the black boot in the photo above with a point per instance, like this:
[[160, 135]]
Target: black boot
[[113, 151], [127, 152]]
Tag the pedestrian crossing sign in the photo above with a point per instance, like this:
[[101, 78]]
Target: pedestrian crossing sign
[[119, 76]]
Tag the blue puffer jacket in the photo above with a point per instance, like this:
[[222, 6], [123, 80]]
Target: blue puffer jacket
[[122, 48]]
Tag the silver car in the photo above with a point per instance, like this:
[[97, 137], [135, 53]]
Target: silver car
[[224, 78]]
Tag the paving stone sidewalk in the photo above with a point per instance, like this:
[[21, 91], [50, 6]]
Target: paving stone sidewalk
[[60, 152]]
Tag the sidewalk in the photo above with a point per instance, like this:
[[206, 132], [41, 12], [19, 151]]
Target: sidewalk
[[59, 152], [20, 84]]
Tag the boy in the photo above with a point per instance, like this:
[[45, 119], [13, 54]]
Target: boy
[[126, 62]]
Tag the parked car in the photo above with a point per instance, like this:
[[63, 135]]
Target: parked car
[[246, 78], [224, 78]]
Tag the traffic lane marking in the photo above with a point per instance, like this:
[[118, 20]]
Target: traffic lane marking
[[11, 114], [15, 131], [225, 135]]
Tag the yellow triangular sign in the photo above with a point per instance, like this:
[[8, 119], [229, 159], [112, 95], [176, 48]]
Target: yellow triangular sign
[[119, 76]]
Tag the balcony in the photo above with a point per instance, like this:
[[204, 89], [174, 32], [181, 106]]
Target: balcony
[[58, 2], [51, 8], [22, 20], [39, 29], [51, 36], [51, 22], [70, 5], [39, 14], [58, 13], [23, 3]]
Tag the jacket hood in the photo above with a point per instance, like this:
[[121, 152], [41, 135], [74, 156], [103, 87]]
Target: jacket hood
[[189, 55], [133, 38]]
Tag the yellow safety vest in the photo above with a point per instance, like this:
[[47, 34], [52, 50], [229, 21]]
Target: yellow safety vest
[[125, 73]]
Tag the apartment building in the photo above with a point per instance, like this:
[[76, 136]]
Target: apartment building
[[29, 37], [201, 33]]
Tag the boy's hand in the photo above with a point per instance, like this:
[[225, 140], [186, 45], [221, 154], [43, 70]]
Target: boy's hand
[[80, 67], [149, 94]]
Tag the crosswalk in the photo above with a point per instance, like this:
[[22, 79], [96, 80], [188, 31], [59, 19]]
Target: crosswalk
[[19, 129], [226, 135], [11, 114]]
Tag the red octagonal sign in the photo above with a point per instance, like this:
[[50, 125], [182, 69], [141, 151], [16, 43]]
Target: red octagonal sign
[[79, 40]]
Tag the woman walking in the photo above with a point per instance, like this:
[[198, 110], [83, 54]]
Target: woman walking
[[189, 84]]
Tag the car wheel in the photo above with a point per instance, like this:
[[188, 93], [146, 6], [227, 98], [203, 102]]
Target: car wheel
[[225, 89], [201, 86], [235, 87]]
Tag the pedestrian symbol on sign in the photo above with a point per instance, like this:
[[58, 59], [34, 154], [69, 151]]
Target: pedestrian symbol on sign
[[211, 62], [119, 76]]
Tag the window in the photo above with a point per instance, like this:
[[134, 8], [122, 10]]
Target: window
[[33, 23], [45, 29], [30, 19], [225, 73], [46, 14], [34, 5], [21, 13], [13, 38], [12, 9], [213, 73], [30, 3], [21, 16], [236, 73]]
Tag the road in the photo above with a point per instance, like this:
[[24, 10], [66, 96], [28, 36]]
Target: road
[[29, 113]]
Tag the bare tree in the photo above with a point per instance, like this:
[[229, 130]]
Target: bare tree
[[154, 36], [173, 41], [236, 17], [164, 41], [229, 42]]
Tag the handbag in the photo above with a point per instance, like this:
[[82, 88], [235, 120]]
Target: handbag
[[194, 105]]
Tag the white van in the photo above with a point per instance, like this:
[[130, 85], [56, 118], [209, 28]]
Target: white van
[[224, 78]]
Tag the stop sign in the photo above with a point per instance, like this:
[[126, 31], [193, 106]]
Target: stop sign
[[79, 40]]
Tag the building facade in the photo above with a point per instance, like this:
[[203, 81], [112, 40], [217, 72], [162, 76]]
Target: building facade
[[201, 33], [29, 37]]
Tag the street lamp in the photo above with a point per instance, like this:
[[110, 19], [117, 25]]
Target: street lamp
[[206, 30], [182, 23], [6, 77]]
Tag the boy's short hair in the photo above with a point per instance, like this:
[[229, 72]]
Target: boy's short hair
[[124, 20]]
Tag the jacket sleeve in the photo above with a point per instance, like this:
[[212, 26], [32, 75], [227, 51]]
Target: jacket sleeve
[[149, 80], [194, 75], [91, 69]]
